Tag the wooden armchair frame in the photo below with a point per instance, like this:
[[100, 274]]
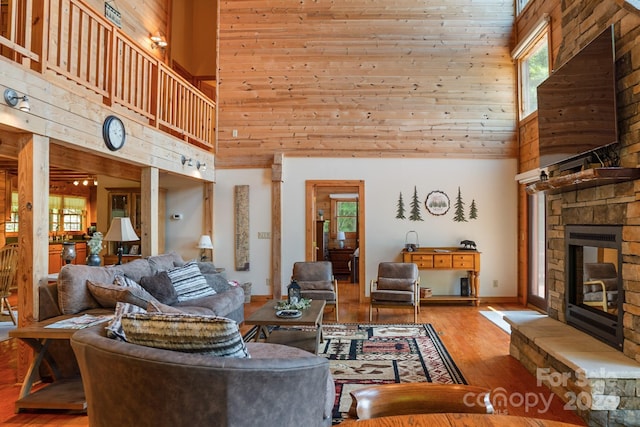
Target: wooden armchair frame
[[418, 398]]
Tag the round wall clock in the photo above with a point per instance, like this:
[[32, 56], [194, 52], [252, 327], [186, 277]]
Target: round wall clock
[[437, 203], [113, 133]]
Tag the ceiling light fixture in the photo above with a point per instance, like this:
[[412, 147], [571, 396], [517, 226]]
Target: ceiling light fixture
[[12, 99]]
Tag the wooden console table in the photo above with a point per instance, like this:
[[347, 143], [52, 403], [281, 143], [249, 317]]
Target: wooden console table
[[448, 259]]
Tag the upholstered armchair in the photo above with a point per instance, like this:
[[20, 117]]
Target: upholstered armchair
[[600, 288], [397, 286], [317, 282]]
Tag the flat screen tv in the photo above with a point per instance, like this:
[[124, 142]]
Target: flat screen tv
[[577, 104]]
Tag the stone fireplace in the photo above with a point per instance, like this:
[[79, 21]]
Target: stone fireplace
[[600, 372], [606, 205]]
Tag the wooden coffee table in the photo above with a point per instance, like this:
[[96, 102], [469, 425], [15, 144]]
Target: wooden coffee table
[[305, 340]]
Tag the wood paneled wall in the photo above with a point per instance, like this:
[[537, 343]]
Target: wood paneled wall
[[365, 78], [141, 18]]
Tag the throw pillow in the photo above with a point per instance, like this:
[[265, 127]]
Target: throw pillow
[[109, 295], [73, 295], [160, 287], [164, 262], [217, 336], [114, 328], [158, 307], [189, 282]]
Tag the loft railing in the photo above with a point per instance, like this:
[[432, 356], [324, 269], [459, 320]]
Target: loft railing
[[83, 46]]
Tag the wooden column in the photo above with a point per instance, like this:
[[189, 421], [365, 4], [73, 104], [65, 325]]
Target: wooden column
[[150, 199], [276, 225], [33, 236]]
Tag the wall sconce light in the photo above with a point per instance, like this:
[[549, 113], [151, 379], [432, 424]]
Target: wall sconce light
[[76, 182], [158, 40], [188, 161], [201, 166], [12, 99]]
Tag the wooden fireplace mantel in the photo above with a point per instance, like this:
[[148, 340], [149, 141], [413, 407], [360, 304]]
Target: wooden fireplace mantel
[[584, 179]]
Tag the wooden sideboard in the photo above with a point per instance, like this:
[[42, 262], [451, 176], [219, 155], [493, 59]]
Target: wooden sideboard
[[448, 258]]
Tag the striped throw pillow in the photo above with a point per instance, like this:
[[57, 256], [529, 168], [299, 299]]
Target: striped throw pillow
[[114, 328], [189, 282], [216, 336]]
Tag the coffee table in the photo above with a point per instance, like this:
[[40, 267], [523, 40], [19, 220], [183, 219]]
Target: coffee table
[[305, 340]]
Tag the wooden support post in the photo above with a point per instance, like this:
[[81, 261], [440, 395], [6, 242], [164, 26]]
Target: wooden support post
[[276, 225], [149, 199], [33, 233]]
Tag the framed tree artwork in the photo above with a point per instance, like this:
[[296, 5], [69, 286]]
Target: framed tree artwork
[[437, 203]]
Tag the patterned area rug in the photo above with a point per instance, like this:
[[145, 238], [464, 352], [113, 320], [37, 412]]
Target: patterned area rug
[[381, 354]]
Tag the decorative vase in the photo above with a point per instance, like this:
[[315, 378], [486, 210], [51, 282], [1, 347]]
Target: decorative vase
[[68, 252], [93, 260]]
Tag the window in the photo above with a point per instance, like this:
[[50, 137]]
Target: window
[[346, 217], [12, 225], [534, 69], [66, 213], [73, 212], [532, 56], [521, 4]]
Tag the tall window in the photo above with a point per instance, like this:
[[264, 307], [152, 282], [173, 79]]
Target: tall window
[[521, 4], [532, 56], [537, 294], [534, 69]]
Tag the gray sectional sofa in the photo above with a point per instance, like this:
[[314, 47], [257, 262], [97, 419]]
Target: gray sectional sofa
[[130, 384], [70, 294]]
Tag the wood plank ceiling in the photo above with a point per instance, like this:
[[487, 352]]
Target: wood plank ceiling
[[365, 78]]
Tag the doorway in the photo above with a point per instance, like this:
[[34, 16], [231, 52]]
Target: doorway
[[323, 197]]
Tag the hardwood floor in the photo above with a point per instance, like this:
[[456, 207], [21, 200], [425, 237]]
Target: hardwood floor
[[479, 348]]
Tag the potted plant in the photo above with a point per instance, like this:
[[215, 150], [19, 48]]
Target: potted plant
[[95, 246]]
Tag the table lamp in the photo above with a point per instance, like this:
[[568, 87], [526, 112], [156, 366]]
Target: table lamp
[[120, 231], [204, 243], [341, 239]]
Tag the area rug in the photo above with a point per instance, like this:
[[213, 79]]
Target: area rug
[[381, 354]]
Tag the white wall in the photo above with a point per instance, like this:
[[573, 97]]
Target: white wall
[[259, 182], [184, 197], [490, 182]]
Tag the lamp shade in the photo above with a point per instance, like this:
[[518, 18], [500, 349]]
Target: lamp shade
[[205, 242], [341, 235], [121, 230]]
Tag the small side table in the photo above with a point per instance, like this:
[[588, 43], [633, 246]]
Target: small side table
[[62, 393]]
